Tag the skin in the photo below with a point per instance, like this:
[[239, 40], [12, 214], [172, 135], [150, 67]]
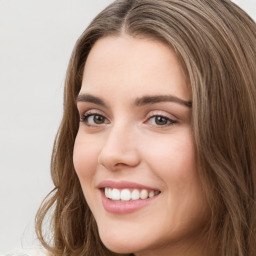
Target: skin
[[128, 144]]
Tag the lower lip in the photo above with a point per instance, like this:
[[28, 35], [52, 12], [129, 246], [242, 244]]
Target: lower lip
[[122, 207]]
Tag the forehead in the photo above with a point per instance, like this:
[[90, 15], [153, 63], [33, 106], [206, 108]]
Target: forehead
[[128, 63]]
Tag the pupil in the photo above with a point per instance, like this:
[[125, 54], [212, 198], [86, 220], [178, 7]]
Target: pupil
[[98, 119], [161, 120]]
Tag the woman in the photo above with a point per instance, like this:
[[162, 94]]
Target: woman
[[155, 152]]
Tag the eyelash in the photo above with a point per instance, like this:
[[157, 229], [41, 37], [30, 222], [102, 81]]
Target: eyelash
[[167, 119], [85, 117], [169, 122]]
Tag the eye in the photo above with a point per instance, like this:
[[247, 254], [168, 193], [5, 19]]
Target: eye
[[94, 119], [158, 120]]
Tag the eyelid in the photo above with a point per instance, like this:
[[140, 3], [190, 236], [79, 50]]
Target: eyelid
[[158, 113], [161, 113], [83, 112], [86, 114]]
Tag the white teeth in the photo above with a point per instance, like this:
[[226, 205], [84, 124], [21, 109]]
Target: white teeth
[[127, 194], [107, 192], [135, 194], [143, 194], [116, 194], [151, 194]]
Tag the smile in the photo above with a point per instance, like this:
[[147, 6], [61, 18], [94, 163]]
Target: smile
[[126, 194], [123, 197]]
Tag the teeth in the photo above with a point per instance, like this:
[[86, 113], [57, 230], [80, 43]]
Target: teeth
[[143, 194], [151, 194], [128, 195], [125, 195], [135, 194], [116, 195]]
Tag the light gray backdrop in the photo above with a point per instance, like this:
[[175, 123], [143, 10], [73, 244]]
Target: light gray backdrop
[[36, 40]]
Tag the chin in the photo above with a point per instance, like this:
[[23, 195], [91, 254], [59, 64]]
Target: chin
[[122, 247], [120, 244]]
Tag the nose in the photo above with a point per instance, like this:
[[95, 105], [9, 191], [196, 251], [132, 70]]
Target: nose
[[119, 149]]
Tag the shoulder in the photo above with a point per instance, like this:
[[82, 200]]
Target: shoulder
[[27, 252]]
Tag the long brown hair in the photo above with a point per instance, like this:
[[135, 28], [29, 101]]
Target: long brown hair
[[216, 43]]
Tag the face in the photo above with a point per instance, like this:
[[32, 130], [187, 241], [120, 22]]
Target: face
[[134, 152]]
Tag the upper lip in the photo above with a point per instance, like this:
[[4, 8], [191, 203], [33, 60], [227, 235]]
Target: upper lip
[[123, 184]]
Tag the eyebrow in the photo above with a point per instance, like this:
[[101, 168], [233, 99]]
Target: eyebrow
[[145, 100], [161, 98], [90, 98]]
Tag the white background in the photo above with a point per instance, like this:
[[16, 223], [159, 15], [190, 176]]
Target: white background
[[36, 40]]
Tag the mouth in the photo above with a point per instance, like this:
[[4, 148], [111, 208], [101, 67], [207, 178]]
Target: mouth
[[126, 197], [128, 194]]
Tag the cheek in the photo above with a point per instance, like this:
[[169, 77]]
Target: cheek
[[173, 157], [85, 158], [174, 162]]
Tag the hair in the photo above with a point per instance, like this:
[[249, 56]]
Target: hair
[[216, 44]]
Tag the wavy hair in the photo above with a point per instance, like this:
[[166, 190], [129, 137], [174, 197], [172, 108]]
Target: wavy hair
[[216, 44]]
